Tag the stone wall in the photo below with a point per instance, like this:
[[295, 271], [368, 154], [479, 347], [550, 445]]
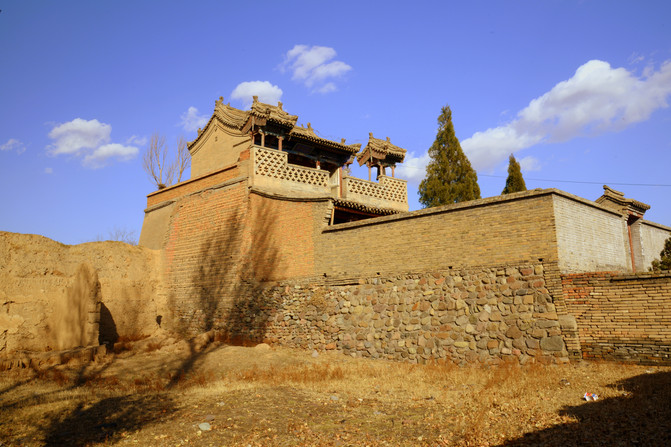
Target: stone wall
[[55, 296], [485, 314], [621, 317]]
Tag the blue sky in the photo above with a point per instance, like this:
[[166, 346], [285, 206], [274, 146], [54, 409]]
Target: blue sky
[[577, 90]]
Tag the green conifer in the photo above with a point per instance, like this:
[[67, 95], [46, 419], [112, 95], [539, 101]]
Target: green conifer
[[664, 263], [449, 175], [515, 181]]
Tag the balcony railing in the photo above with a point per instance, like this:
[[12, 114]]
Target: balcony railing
[[271, 169]]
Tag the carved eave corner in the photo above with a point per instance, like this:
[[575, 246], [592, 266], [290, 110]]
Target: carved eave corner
[[261, 114], [382, 152], [616, 200], [225, 117]]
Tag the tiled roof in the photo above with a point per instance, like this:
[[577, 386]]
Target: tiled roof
[[382, 147], [362, 207], [308, 133], [272, 113]]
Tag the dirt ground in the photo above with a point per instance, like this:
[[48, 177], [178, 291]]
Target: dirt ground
[[162, 392]]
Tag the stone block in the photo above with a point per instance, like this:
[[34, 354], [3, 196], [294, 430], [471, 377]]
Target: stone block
[[555, 343]]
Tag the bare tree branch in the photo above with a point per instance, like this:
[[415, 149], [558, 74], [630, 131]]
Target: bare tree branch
[[156, 165], [183, 158]]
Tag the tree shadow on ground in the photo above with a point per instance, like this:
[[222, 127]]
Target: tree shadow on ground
[[108, 419], [225, 299], [641, 416]]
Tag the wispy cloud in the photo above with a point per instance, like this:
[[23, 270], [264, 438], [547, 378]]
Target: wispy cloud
[[88, 140], [13, 145], [191, 120], [48, 170], [267, 92], [137, 141], [597, 99], [314, 67]]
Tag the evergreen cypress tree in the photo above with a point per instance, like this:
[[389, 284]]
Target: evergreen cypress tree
[[665, 262], [449, 175], [515, 181]]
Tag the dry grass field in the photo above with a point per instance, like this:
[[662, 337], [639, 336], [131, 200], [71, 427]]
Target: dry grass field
[[172, 394]]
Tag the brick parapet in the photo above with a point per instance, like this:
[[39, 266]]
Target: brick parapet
[[193, 185], [621, 317]]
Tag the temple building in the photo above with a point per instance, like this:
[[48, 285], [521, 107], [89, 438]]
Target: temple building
[[291, 159]]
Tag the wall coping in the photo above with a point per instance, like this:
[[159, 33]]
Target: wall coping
[[212, 187], [643, 276], [656, 225], [275, 195], [524, 195], [186, 182]]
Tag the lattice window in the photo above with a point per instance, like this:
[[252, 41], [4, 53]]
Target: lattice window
[[274, 164]]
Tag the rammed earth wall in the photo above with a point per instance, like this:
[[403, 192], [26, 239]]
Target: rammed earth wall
[[621, 317], [485, 314]]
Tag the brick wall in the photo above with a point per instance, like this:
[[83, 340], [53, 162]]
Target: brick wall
[[194, 185], [590, 237], [499, 230], [652, 237], [203, 256], [282, 236], [621, 317]]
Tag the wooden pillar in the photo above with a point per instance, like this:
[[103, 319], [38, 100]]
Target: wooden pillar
[[392, 170], [279, 142], [369, 172], [263, 139]]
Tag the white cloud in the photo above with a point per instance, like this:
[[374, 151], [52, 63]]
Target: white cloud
[[99, 157], [530, 164], [595, 100], [191, 120], [78, 135], [48, 170], [328, 88], [13, 145], [267, 92], [311, 66], [90, 141], [413, 169]]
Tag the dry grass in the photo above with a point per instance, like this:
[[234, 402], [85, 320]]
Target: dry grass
[[286, 397]]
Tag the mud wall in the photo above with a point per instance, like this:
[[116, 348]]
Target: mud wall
[[55, 296]]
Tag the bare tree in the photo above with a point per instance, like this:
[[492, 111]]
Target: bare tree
[[121, 234], [156, 164], [183, 158]]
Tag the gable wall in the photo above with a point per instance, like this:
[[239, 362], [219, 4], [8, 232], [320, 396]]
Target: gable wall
[[216, 148]]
